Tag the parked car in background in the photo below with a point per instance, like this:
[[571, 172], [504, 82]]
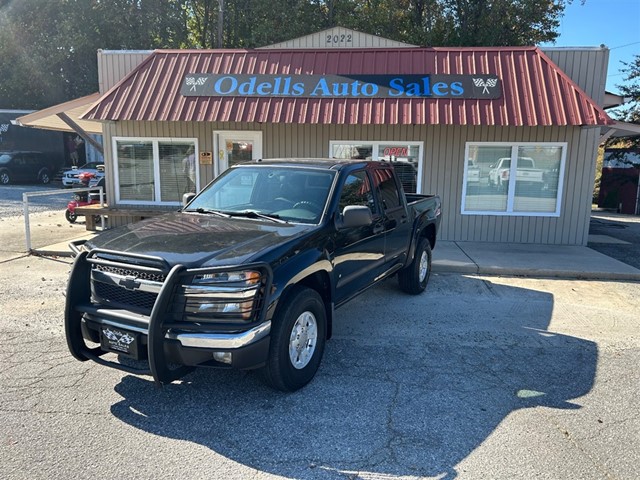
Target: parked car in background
[[526, 173], [26, 166], [71, 178]]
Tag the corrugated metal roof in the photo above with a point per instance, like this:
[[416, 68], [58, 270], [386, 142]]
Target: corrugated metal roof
[[535, 91]]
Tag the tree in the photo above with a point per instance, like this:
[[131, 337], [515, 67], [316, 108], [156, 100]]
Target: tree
[[454, 22], [631, 112], [48, 47], [253, 23]]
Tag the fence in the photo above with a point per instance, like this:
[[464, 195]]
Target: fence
[[47, 229]]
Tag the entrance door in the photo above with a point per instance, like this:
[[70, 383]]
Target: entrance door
[[236, 147]]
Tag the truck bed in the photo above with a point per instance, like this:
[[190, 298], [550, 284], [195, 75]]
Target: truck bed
[[420, 202]]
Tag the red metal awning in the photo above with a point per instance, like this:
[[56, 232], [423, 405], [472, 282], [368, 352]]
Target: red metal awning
[[535, 92]]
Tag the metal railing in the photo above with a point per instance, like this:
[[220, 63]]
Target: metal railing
[[27, 195]]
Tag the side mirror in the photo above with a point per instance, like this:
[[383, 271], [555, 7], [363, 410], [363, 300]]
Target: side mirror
[[186, 198], [356, 216]]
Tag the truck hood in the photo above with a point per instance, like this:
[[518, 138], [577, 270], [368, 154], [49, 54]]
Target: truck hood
[[194, 239]]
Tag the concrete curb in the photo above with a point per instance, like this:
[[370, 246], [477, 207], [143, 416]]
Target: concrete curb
[[51, 253], [535, 261], [536, 273]]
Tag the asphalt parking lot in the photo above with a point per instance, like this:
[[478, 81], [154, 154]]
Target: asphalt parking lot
[[480, 377], [616, 235]]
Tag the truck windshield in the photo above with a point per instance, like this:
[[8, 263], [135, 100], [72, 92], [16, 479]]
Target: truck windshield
[[297, 195]]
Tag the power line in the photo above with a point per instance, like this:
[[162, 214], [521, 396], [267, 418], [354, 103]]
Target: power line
[[622, 46]]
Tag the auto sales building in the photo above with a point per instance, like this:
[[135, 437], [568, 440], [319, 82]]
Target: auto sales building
[[508, 137]]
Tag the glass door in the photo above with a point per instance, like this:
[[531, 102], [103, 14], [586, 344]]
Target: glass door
[[236, 147]]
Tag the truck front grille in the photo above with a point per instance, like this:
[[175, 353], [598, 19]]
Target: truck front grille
[[121, 297], [132, 286]]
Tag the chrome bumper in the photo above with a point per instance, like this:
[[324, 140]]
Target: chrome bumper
[[226, 341]]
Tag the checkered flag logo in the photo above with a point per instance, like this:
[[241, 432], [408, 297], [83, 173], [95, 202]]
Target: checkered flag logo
[[485, 84], [195, 82]]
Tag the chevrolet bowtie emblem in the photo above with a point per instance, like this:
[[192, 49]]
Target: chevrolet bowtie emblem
[[130, 283]]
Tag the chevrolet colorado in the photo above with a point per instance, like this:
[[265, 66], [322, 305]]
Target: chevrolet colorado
[[249, 272]]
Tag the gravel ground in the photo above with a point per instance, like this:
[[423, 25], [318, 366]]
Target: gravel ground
[[46, 216], [11, 199]]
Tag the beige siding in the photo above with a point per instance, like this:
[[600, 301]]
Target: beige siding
[[585, 66], [114, 65], [443, 168], [339, 37]]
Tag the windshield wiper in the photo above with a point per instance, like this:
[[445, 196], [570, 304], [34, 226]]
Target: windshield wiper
[[207, 210], [253, 214]]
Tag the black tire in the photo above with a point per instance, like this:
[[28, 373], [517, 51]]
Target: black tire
[[5, 178], [303, 305], [71, 217], [414, 278], [44, 177]]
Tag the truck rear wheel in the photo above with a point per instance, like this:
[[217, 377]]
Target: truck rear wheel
[[413, 279], [297, 341]]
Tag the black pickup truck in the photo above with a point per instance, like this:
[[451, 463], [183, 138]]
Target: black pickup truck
[[249, 272]]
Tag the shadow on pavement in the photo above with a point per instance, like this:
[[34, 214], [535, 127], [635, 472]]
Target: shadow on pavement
[[401, 391]]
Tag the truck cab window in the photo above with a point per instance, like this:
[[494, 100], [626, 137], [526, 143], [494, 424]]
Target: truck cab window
[[357, 191], [387, 188]]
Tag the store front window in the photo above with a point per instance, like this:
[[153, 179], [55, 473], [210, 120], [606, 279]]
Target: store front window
[[406, 158], [155, 171], [513, 179]]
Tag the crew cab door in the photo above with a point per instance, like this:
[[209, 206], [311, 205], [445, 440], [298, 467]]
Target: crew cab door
[[397, 226], [359, 251]]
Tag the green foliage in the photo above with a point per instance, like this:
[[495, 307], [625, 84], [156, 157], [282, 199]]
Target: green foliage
[[48, 47], [631, 112]]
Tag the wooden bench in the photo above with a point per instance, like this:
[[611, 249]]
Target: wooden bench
[[90, 213]]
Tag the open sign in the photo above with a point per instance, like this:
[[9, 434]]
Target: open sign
[[395, 152]]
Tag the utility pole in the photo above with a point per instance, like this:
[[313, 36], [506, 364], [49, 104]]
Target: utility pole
[[220, 21]]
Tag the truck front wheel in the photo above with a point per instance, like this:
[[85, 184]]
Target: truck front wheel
[[414, 277], [297, 341]]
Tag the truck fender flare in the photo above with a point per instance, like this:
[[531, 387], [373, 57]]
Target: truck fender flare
[[314, 272], [423, 223]]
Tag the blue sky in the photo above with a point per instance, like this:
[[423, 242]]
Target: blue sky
[[614, 23]]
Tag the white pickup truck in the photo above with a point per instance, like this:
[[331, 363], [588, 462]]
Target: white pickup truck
[[526, 173]]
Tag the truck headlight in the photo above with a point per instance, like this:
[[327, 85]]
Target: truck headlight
[[222, 297]]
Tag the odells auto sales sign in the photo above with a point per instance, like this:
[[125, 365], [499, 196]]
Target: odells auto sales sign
[[342, 86]]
